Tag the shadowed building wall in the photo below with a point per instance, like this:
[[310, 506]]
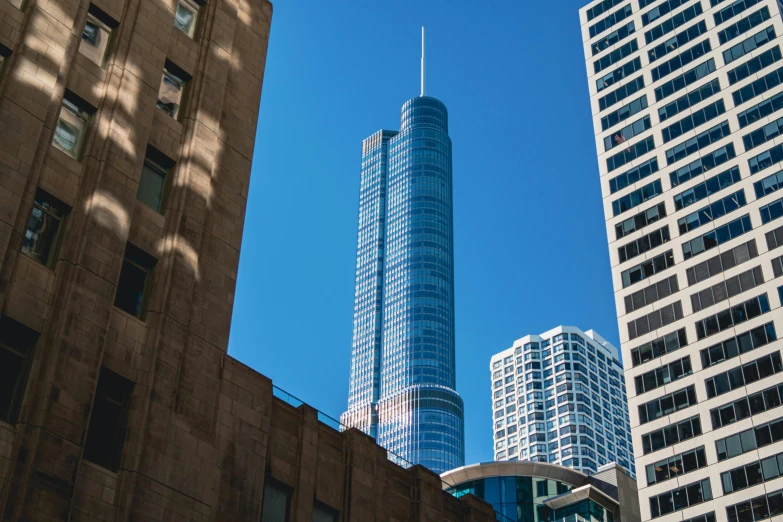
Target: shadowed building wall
[[126, 139]]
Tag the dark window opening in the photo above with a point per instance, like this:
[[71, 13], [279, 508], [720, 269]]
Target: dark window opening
[[132, 289], [16, 348], [108, 420]]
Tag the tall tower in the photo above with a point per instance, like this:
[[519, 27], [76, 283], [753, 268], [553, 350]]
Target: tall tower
[[686, 100], [403, 382]]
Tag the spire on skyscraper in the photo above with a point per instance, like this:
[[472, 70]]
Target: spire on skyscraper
[[423, 64]]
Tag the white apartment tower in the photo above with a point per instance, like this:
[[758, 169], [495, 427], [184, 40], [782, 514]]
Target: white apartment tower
[[687, 103], [559, 397]]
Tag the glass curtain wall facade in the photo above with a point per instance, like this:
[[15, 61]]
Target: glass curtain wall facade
[[402, 388], [560, 398], [687, 104]]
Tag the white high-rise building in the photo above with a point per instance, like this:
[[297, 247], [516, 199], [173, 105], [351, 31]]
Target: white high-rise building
[[687, 104], [559, 397]]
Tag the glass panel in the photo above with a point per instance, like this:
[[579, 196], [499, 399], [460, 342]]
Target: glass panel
[[130, 289], [95, 40], [151, 185], [170, 95], [185, 18], [69, 133], [40, 238]]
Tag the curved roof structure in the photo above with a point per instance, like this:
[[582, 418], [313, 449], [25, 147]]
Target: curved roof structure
[[518, 468]]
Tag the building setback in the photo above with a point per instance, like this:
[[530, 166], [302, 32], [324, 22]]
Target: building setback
[[403, 377], [686, 99], [126, 138], [559, 398]]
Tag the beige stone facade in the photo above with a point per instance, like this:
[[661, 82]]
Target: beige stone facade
[[198, 434]]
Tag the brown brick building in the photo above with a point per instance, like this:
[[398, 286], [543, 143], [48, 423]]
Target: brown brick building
[[126, 138]]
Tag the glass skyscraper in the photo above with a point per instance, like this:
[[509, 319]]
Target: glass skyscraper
[[402, 388]]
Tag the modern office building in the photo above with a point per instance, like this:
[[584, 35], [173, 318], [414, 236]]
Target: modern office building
[[403, 384], [686, 97], [122, 207], [559, 397], [536, 492]]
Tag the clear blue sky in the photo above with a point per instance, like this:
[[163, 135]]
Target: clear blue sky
[[530, 239]]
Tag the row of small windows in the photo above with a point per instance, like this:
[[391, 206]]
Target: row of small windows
[[744, 25], [680, 82], [656, 319], [740, 376], [768, 185], [629, 154], [626, 133], [671, 435], [659, 347], [681, 60], [665, 8], [727, 289], [677, 41], [632, 176], [640, 220], [680, 498], [673, 23], [654, 292], [647, 269], [749, 475], [761, 110], [733, 10], [614, 18], [772, 211], [732, 316], [707, 188], [601, 8], [736, 346], [766, 159], [621, 93], [673, 467], [684, 102], [716, 237], [749, 440], [637, 197], [698, 142], [745, 407], [615, 56], [754, 65], [667, 404], [748, 45], [624, 112], [643, 244], [664, 375], [758, 87], [722, 262], [612, 38], [693, 120], [623, 71], [711, 212]]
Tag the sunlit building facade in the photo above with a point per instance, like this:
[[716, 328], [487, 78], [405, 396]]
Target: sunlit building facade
[[402, 387], [560, 398], [687, 99]]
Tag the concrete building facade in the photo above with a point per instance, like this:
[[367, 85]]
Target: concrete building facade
[[686, 98], [559, 397], [126, 139]]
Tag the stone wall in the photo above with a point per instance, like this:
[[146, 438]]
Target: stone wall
[[202, 431]]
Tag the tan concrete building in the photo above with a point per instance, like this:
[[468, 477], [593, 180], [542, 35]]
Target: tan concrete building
[[686, 99], [126, 138]]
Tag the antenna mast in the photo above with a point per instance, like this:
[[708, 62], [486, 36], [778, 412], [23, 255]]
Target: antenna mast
[[423, 63]]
